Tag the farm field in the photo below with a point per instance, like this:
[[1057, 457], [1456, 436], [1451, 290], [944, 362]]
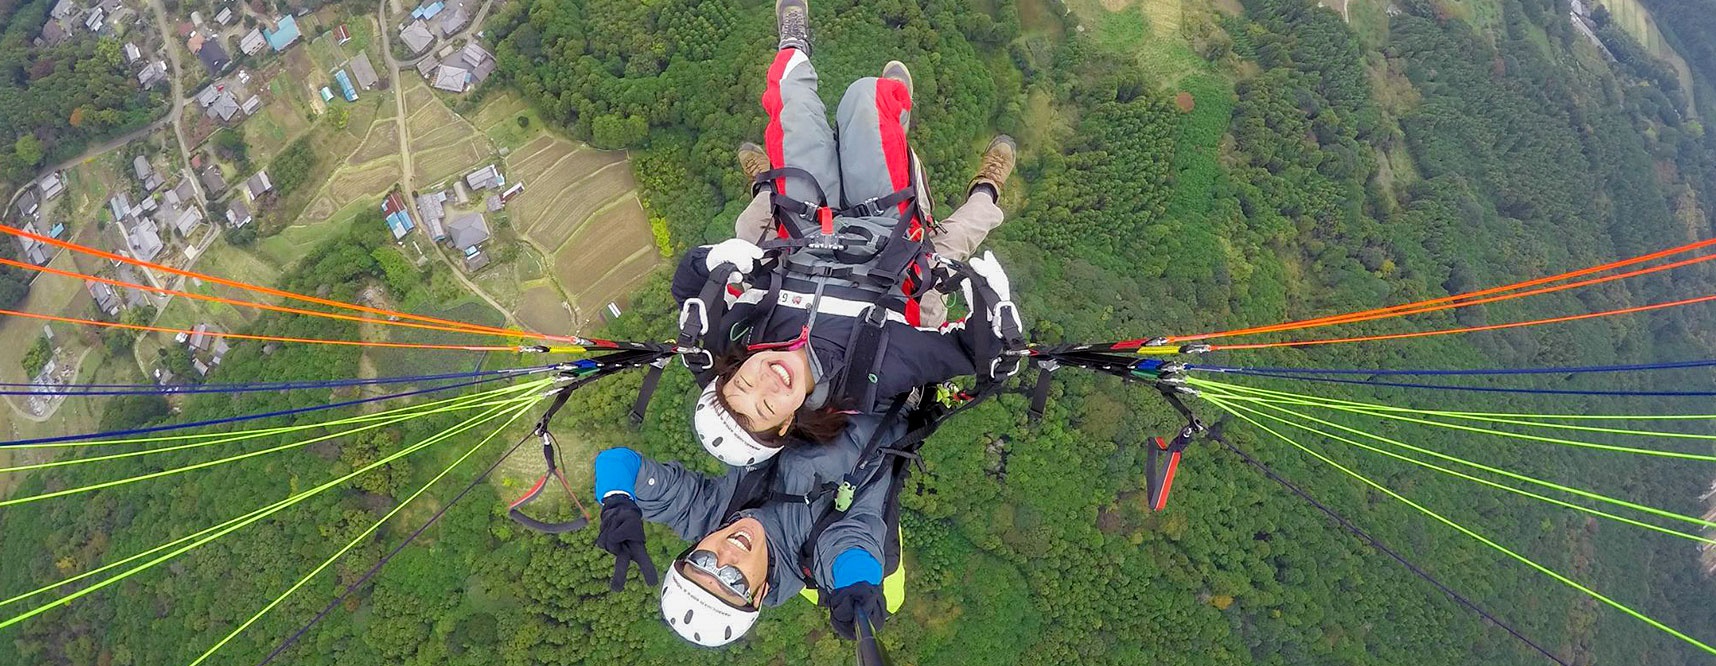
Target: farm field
[[580, 209], [1638, 22], [542, 309], [370, 180], [571, 205], [382, 141], [606, 257]]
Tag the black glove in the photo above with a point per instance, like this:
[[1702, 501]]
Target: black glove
[[622, 534], [849, 603]]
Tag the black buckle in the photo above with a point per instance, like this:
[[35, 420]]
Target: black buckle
[[868, 208]]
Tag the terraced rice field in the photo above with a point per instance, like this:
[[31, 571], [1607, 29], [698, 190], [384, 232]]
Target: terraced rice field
[[606, 258], [372, 180], [577, 201], [383, 140]]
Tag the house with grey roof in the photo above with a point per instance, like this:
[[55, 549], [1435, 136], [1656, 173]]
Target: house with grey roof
[[132, 53], [451, 79], [224, 107], [120, 206], [29, 203], [34, 251], [185, 221], [237, 214], [213, 181], [252, 105], [105, 297], [431, 210], [207, 96], [417, 37], [65, 9], [452, 19], [485, 178], [152, 74], [426, 68], [185, 191], [140, 166], [253, 42], [257, 185], [468, 231], [364, 71], [52, 185], [145, 239], [53, 34]]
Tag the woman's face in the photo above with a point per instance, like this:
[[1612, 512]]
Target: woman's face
[[768, 388]]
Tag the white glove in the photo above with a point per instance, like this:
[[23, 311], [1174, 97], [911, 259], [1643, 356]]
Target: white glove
[[742, 254], [1003, 310], [990, 270]]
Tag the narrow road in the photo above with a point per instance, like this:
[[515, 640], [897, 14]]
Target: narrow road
[[177, 116], [408, 175]]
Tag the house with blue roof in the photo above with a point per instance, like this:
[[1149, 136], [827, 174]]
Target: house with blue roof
[[346, 85], [398, 220], [284, 33], [428, 11]]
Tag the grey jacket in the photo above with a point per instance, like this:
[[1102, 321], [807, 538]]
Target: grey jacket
[[693, 505]]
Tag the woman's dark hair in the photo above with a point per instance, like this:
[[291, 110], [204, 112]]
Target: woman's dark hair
[[816, 425]]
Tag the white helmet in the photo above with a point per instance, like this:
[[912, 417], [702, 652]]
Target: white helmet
[[723, 437], [699, 616]]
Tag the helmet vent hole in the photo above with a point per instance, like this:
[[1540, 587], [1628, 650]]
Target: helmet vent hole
[[687, 617], [717, 441], [729, 635]]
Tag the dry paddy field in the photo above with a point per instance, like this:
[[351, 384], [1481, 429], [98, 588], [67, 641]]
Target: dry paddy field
[[383, 140], [580, 208], [369, 180], [606, 258]]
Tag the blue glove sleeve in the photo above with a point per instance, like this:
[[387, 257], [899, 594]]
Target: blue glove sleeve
[[617, 469], [856, 566]]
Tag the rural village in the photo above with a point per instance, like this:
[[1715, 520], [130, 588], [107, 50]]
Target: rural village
[[285, 123]]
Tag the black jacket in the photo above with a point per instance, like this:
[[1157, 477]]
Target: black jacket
[[911, 356]]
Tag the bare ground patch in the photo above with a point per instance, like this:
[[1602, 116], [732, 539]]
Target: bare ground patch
[[542, 309]]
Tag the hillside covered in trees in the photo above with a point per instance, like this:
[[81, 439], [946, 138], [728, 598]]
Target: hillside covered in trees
[[56, 100], [1257, 164]]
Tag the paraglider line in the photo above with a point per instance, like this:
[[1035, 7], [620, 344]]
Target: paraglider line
[[1355, 530]]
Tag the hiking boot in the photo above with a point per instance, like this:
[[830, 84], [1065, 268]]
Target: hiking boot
[[997, 165], [752, 161], [897, 71], [792, 21]]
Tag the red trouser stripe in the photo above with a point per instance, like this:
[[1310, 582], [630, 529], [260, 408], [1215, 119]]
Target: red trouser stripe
[[774, 136], [892, 99]]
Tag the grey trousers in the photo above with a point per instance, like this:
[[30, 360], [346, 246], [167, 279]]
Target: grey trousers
[[870, 158]]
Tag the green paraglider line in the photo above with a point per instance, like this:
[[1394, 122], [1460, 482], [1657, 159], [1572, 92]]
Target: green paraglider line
[[1516, 476], [1386, 412], [211, 534], [388, 417], [358, 539], [244, 456], [1481, 538], [1455, 473]]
